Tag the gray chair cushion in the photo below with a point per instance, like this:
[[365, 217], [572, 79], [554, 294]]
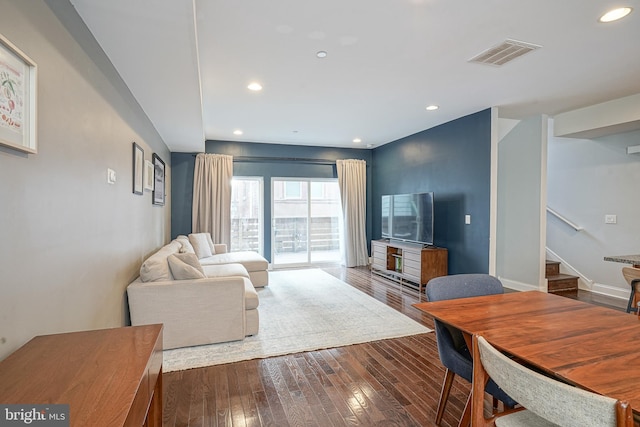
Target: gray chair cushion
[[548, 398], [523, 419], [462, 286]]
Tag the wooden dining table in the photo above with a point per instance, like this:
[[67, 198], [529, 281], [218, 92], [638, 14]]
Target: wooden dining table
[[589, 346]]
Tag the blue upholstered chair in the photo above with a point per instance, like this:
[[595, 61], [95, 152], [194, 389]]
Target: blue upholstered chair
[[453, 351], [544, 400]]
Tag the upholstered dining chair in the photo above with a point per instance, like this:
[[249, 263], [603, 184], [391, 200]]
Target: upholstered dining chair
[[543, 401], [632, 276], [452, 349]]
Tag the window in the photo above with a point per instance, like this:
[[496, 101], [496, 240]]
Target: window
[[317, 190], [246, 214], [292, 190], [305, 229]]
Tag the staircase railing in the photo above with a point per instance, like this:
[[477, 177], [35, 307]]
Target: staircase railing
[[576, 227], [563, 262], [565, 220]]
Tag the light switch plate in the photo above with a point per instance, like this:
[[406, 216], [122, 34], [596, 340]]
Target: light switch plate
[[610, 219], [467, 219], [111, 176]]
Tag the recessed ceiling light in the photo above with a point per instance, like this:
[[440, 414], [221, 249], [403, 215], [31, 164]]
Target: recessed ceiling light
[[321, 54], [237, 132], [615, 14], [432, 107], [357, 140], [255, 86]]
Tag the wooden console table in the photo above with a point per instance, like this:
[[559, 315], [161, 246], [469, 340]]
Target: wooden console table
[[109, 377], [408, 262]]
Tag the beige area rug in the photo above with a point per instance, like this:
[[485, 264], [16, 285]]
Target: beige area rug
[[303, 310]]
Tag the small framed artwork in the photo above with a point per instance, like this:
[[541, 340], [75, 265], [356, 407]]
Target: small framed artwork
[[148, 175], [18, 77], [158, 180], [138, 164]]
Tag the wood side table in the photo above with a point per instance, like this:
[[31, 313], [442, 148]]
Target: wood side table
[[109, 377]]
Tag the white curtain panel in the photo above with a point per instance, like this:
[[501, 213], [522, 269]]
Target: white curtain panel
[[212, 196], [352, 180]]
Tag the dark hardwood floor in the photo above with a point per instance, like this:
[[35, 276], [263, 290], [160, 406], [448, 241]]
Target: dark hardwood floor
[[393, 382], [603, 300]]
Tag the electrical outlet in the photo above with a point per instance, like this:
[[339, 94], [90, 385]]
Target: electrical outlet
[[610, 219]]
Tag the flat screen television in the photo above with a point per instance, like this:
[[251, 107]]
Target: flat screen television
[[408, 217]]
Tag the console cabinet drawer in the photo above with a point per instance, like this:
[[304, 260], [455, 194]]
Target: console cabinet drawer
[[412, 256], [378, 255]]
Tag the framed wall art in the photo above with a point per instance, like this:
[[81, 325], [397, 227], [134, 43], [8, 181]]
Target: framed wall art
[[18, 77], [148, 175], [158, 181], [138, 165]]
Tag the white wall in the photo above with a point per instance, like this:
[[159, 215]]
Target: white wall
[[69, 242], [588, 178], [521, 203]]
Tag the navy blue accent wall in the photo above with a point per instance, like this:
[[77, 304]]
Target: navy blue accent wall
[[454, 161], [273, 165], [182, 166]]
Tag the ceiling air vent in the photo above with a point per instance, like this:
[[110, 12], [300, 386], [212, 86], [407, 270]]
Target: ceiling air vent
[[504, 52]]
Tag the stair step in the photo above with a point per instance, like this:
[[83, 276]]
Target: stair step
[[552, 268], [562, 282]]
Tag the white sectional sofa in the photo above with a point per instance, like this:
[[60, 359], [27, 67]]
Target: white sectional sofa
[[210, 253], [255, 264], [198, 302]]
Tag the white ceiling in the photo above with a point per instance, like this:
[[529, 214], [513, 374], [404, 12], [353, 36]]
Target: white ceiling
[[188, 63]]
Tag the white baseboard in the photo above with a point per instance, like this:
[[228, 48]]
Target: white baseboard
[[611, 291], [596, 288], [517, 286]]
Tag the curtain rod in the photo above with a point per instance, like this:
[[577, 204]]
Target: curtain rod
[[256, 159], [250, 159]]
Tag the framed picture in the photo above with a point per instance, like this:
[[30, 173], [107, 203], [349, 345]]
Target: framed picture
[[18, 76], [148, 175], [138, 164], [158, 180]]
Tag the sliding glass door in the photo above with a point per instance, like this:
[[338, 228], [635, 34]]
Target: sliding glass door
[[246, 214], [305, 221]]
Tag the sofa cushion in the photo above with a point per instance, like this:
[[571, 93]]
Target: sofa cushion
[[156, 267], [225, 270], [185, 266], [252, 261], [200, 245], [187, 248]]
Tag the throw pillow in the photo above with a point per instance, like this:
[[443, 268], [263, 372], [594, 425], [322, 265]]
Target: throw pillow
[[185, 266], [186, 245], [211, 245], [156, 267], [200, 245]]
